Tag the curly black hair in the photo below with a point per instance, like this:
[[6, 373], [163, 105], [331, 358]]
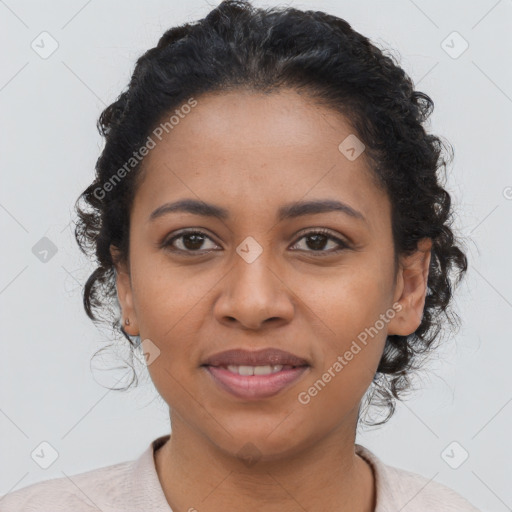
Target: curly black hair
[[239, 46]]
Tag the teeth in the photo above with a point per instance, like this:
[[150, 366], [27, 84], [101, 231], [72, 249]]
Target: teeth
[[255, 370]]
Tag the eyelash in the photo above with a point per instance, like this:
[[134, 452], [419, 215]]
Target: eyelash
[[167, 244]]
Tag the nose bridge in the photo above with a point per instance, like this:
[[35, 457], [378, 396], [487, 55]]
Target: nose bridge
[[253, 291], [252, 277]]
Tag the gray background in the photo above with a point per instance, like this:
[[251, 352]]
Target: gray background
[[49, 146]]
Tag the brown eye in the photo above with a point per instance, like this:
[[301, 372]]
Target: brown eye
[[194, 242], [187, 241], [316, 241]]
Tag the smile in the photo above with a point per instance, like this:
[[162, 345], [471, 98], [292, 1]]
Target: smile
[[255, 382]]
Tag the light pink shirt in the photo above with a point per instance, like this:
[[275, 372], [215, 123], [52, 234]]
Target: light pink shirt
[[133, 486]]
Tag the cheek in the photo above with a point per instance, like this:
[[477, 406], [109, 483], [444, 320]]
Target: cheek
[[352, 312], [168, 310], [348, 355], [346, 300], [166, 297], [171, 304]]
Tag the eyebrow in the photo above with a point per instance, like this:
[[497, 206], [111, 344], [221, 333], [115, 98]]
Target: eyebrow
[[288, 211]]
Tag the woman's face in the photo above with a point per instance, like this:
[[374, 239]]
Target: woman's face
[[258, 278]]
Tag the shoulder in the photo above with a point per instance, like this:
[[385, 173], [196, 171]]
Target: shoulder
[[399, 489], [419, 493], [100, 488]]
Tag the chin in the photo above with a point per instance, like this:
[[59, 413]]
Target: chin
[[255, 440]]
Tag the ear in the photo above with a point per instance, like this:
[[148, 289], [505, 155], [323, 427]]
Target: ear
[[124, 293], [411, 289]]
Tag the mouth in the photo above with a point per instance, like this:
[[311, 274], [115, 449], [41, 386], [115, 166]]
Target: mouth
[[251, 375]]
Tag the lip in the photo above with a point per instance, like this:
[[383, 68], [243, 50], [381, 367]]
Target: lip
[[255, 387], [266, 356]]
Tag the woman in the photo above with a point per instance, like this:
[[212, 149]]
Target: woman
[[268, 215]]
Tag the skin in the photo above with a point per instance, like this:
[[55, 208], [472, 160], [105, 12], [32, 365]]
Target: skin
[[296, 296]]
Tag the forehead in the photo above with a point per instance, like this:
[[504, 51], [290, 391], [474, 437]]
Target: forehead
[[262, 148], [284, 121]]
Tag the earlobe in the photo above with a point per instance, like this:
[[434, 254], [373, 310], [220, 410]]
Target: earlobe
[[124, 293], [411, 289]]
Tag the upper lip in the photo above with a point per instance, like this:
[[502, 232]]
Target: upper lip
[[267, 356]]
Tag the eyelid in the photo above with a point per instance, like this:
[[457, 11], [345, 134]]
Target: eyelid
[[342, 242], [324, 231], [167, 240]]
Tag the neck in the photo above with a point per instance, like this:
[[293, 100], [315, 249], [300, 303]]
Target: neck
[[328, 474]]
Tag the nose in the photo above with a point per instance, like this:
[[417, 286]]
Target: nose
[[253, 295]]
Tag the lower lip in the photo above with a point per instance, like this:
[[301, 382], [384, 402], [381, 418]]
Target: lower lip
[[254, 387]]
